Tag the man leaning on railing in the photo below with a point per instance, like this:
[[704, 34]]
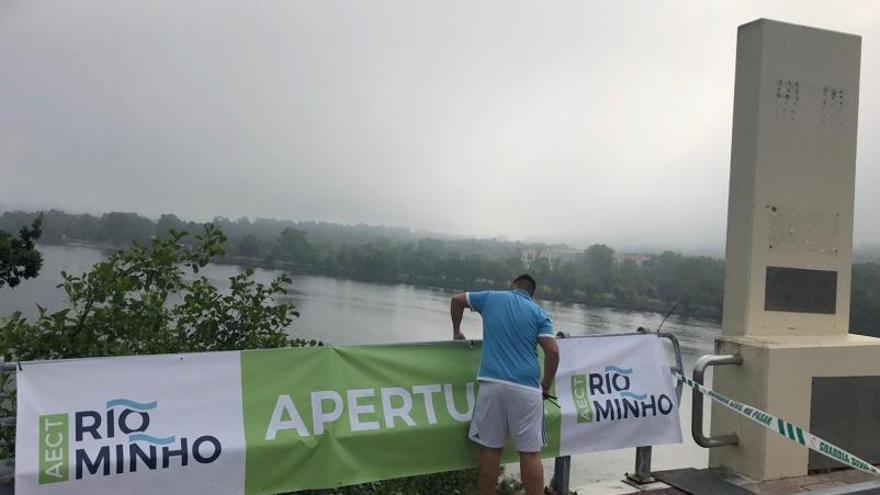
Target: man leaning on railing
[[511, 392]]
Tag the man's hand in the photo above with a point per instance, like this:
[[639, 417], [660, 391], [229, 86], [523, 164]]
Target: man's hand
[[551, 362], [456, 311]]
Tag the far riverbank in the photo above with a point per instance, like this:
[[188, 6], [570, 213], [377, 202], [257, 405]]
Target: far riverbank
[[602, 300]]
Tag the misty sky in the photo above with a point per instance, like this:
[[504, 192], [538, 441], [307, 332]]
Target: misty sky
[[575, 121]]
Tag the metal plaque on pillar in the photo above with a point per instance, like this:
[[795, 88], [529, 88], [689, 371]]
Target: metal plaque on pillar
[[800, 291]]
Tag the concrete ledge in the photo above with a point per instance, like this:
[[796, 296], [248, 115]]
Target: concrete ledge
[[777, 376]]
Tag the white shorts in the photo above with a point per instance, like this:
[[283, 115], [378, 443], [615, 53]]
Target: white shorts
[[503, 409]]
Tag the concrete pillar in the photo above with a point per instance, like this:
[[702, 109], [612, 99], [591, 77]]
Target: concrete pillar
[[789, 236]]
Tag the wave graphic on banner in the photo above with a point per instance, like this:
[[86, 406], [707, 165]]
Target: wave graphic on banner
[[622, 371], [137, 406], [633, 395], [143, 437]]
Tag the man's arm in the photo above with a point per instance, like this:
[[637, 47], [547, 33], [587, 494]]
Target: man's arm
[[456, 311], [551, 362]]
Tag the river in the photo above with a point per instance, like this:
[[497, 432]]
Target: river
[[345, 312]]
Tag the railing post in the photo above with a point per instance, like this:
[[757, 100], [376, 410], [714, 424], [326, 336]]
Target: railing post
[[562, 467], [7, 466], [561, 475], [642, 467], [7, 475], [5, 368]]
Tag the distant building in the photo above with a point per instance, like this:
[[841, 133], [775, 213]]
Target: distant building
[[639, 259], [553, 254]]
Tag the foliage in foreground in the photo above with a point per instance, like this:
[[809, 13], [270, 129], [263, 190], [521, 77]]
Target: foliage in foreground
[[150, 300], [19, 258]]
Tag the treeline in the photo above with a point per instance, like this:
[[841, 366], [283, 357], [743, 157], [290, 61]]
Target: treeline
[[120, 229], [597, 275]]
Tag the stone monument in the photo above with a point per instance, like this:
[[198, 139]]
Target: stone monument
[[789, 245]]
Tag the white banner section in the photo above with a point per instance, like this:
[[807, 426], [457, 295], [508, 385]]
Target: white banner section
[[135, 425], [615, 392]]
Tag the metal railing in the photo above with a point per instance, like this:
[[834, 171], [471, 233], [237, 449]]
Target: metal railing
[[642, 472], [7, 468], [697, 401], [560, 483]]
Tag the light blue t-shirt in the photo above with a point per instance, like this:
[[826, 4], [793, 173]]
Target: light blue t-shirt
[[512, 324]]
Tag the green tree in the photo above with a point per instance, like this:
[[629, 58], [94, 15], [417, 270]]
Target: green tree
[[864, 314], [168, 222], [19, 258], [147, 300], [599, 260], [594, 272], [292, 245], [248, 246], [121, 228]]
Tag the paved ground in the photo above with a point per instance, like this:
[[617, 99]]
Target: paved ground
[[621, 488], [806, 484], [817, 483]]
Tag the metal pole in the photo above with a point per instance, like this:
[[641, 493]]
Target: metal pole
[[7, 477], [643, 466], [7, 367], [7, 470], [7, 466], [679, 362], [561, 476], [562, 467]]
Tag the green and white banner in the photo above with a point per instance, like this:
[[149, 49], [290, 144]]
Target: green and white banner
[[261, 422]]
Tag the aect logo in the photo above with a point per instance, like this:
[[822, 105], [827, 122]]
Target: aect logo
[[116, 441], [608, 397]]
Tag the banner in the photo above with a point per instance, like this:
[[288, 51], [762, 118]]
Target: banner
[[270, 421], [615, 392]]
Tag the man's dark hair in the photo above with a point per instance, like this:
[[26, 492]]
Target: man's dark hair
[[532, 285]]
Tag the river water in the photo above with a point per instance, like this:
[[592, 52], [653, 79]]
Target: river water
[[345, 312]]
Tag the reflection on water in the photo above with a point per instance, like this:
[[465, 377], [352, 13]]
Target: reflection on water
[[345, 312]]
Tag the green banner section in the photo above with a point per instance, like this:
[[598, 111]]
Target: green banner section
[[53, 449], [326, 417], [581, 398]]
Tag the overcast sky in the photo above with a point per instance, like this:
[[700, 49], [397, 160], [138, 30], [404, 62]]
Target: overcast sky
[[578, 121]]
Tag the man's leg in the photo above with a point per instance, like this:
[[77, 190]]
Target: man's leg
[[490, 460], [526, 420], [532, 471]]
